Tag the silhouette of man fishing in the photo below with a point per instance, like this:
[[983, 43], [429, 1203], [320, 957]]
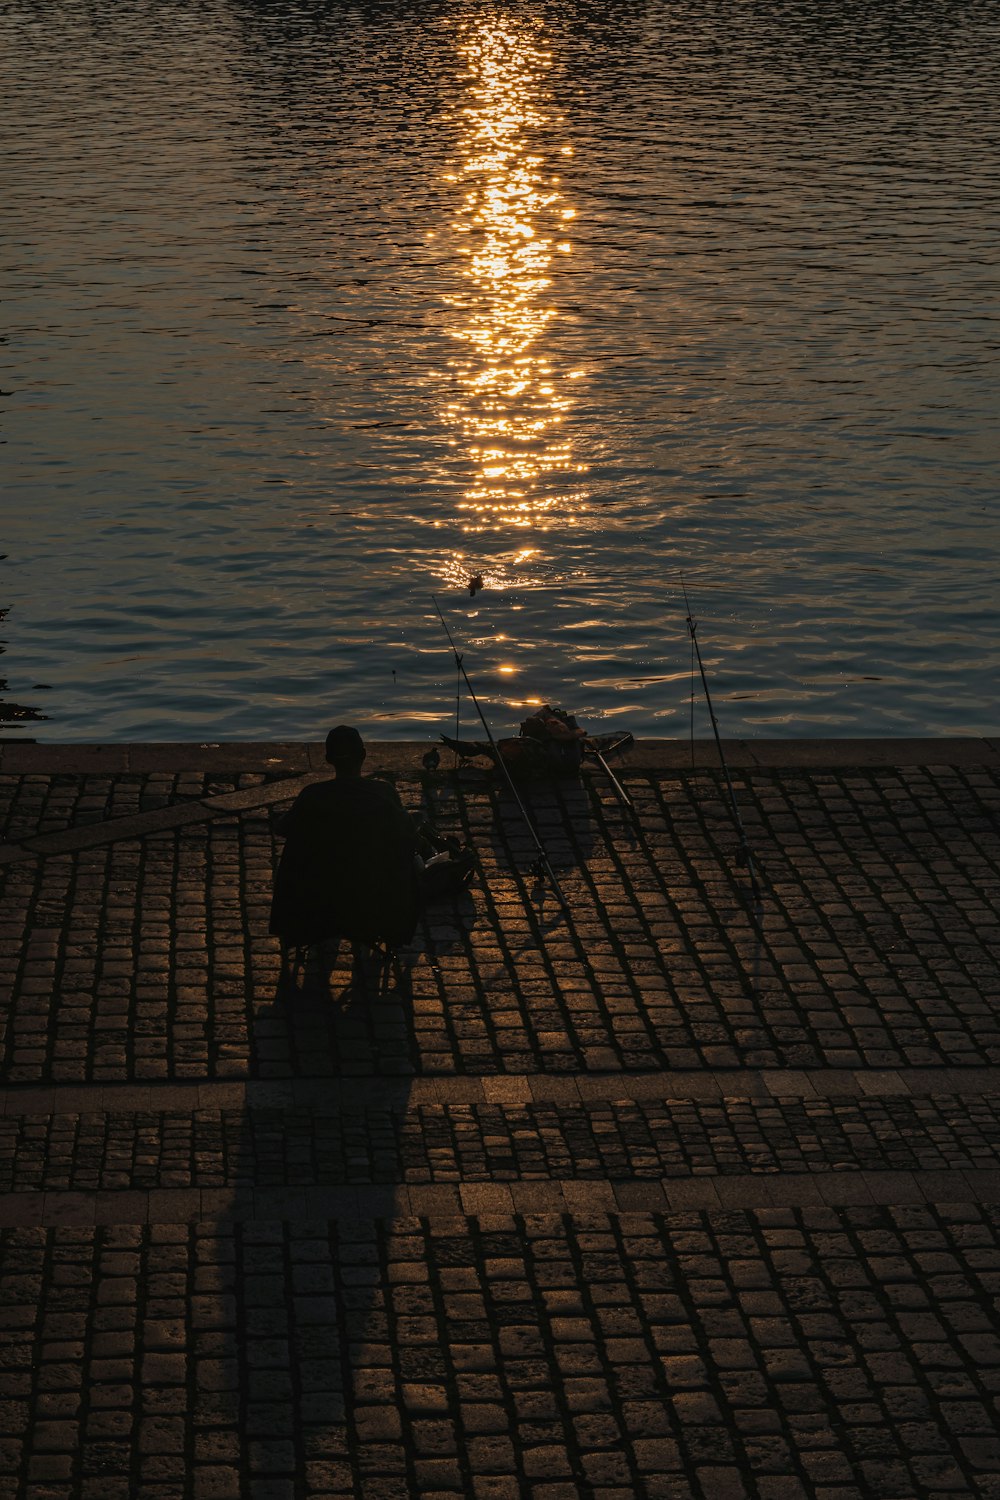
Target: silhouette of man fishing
[[355, 865]]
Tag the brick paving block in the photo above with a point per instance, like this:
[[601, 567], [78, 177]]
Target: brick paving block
[[384, 1202], [456, 1090], [506, 1090], [554, 1088], [125, 1207], [722, 1483], [173, 1206], [493, 1486], [968, 1081], [232, 1205], [747, 1192], [427, 1199], [21, 1209], [485, 1198], [85, 1099], [984, 1183], [880, 1081], [632, 1197], [160, 1097], [923, 1081], [601, 1086], [589, 1197], [69, 1208], [795, 1190], [666, 1085], [536, 1197], [210, 1096], [893, 1187], [131, 1098], [437, 1477], [332, 1203], [280, 1203], [783, 1487], [216, 1482], [267, 1095], [945, 1187], [693, 1193], [832, 1083], [843, 1188], [29, 1101], [753, 1083]]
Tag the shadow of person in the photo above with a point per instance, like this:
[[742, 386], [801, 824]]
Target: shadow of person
[[316, 1212]]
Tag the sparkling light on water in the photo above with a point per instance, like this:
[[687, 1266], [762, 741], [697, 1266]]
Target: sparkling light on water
[[511, 391]]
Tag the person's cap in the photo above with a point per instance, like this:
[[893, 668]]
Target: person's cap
[[344, 743]]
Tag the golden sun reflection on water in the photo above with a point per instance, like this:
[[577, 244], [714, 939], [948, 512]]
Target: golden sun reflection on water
[[509, 398]]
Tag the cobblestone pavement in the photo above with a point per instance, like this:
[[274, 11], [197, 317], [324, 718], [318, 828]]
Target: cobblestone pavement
[[620, 1139], [629, 1202], [772, 1354], [147, 957]]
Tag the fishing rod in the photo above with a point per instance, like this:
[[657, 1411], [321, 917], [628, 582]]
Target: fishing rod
[[599, 757], [746, 853], [543, 862]]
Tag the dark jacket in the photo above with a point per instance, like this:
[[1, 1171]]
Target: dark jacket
[[347, 869]]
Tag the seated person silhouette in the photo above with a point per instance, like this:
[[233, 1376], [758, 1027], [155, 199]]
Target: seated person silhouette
[[349, 868]]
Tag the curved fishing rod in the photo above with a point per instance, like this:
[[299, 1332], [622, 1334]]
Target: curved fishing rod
[[746, 853], [543, 858]]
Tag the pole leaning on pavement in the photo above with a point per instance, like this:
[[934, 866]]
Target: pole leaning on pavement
[[746, 856]]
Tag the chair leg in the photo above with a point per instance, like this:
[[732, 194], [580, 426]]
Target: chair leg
[[388, 959], [293, 959], [372, 966]]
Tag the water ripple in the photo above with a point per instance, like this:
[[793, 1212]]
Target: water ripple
[[315, 309]]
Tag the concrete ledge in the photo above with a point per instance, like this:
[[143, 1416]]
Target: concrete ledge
[[859, 752], [237, 756], [576, 1196], [404, 757], [81, 760], [506, 1090]]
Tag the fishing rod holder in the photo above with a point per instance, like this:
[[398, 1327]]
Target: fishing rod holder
[[542, 865]]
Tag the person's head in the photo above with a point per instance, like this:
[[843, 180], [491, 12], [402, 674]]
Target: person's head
[[345, 750]]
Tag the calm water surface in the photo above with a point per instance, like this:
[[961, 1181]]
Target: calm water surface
[[316, 309]]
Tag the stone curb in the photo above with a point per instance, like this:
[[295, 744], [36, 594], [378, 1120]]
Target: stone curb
[[405, 756], [503, 1090], [585, 1197], [405, 759]]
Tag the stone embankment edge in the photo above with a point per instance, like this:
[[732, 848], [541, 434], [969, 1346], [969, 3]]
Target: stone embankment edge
[[405, 757], [297, 763]]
